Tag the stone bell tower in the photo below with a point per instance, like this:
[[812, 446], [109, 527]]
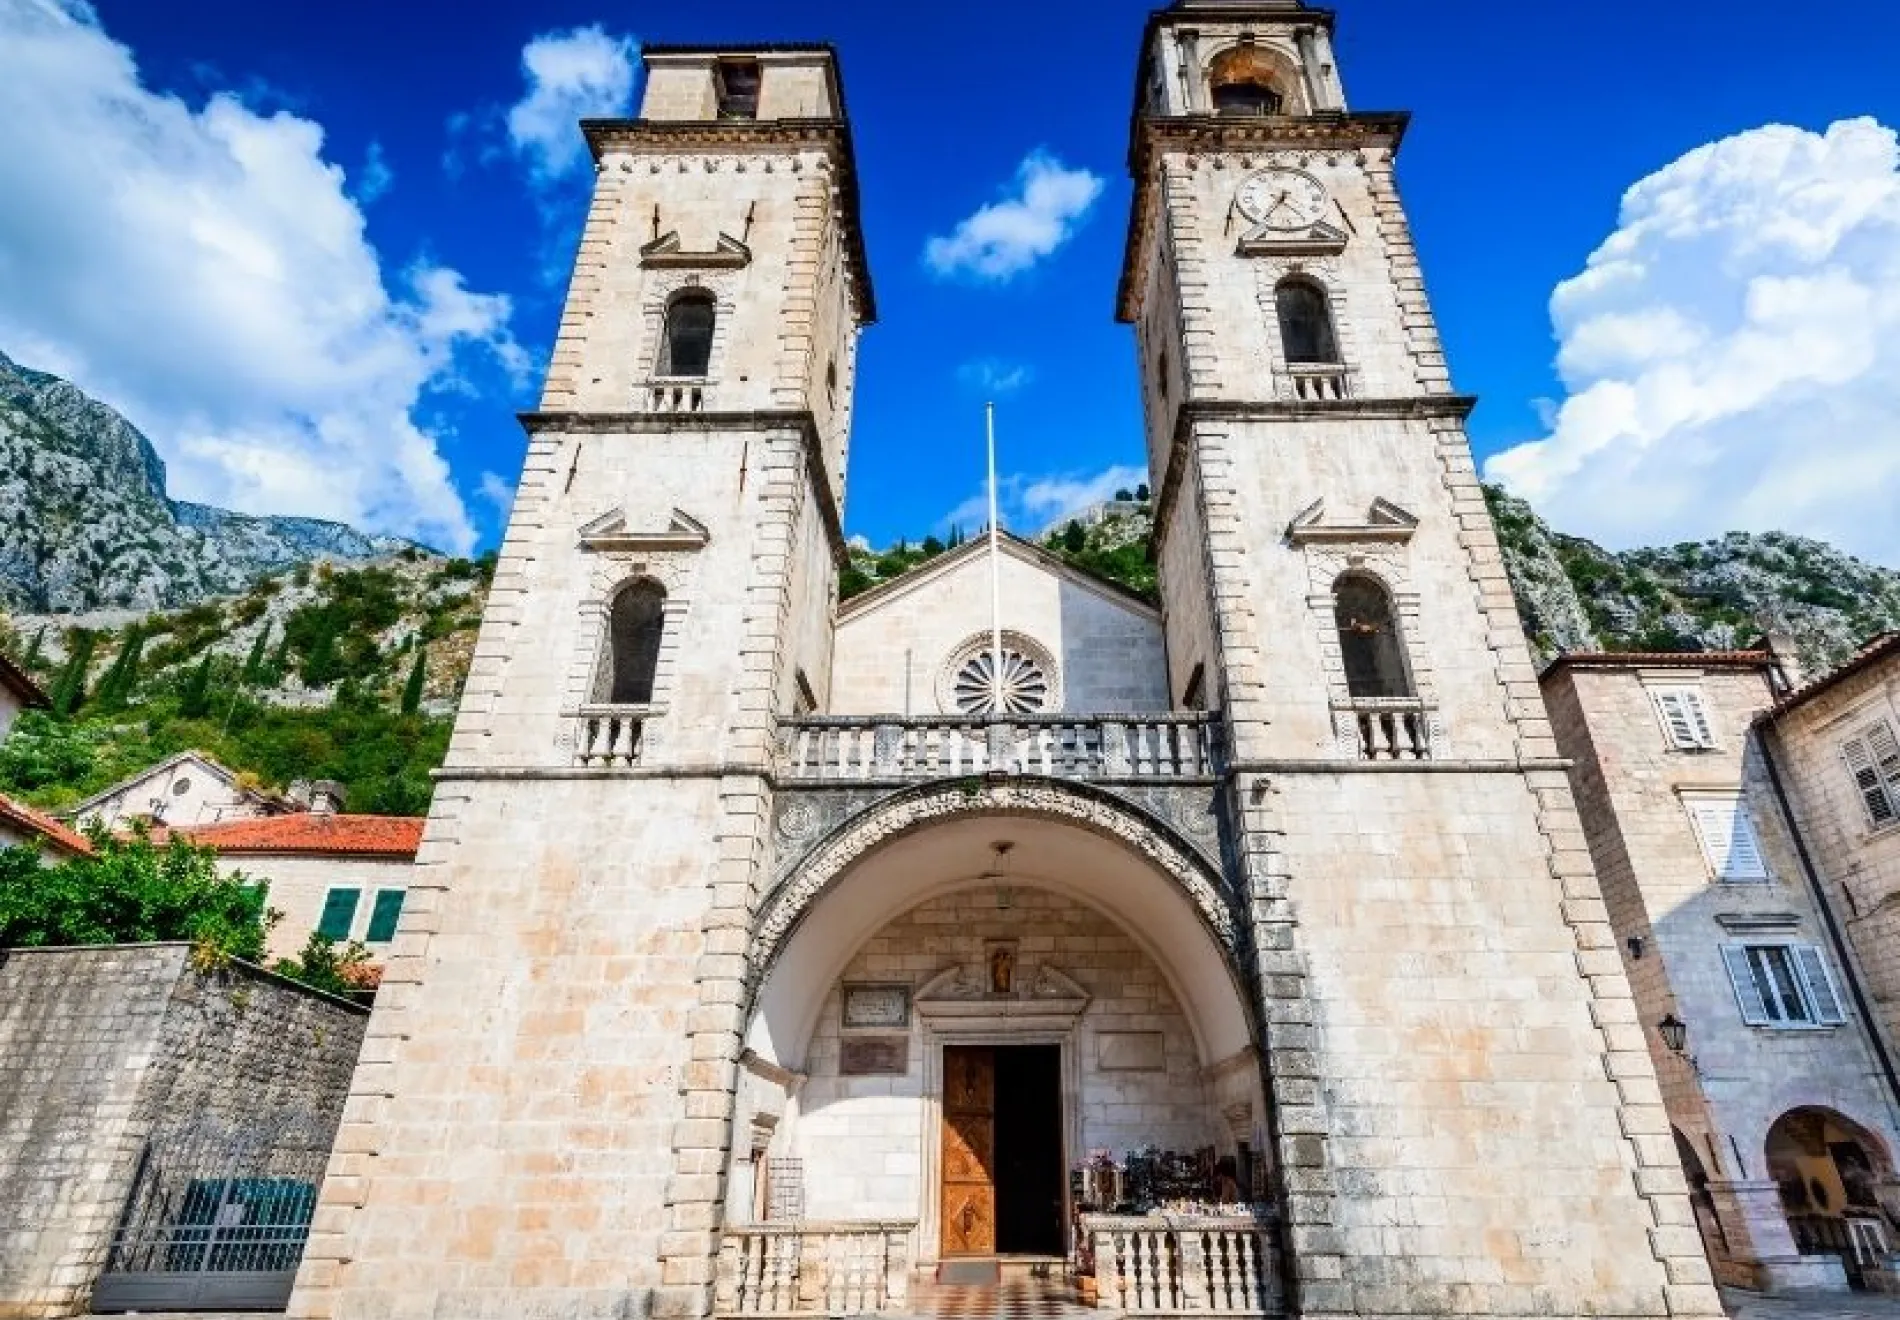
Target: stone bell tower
[[540, 1119], [1467, 1120]]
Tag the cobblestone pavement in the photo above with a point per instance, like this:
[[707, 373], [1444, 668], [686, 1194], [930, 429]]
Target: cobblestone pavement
[[1852, 1306]]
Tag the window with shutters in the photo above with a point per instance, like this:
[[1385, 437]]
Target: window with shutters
[[384, 916], [1727, 835], [1783, 985], [1685, 718], [339, 913], [1873, 759]]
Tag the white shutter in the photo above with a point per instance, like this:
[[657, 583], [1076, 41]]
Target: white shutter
[[1886, 750], [1698, 714], [1874, 794], [1728, 838], [1818, 980], [1747, 992], [1675, 713]]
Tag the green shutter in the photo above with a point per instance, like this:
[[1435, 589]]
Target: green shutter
[[382, 918], [339, 914]]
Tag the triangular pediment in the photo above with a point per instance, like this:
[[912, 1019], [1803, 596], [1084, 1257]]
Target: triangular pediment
[[973, 553], [965, 991], [1320, 240], [609, 532], [1384, 521], [727, 253]]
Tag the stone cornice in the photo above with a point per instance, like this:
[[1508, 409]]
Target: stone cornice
[[1154, 137], [833, 135], [761, 419], [1423, 407]]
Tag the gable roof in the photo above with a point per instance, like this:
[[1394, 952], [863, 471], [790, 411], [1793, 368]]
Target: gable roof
[[1024, 550], [40, 825], [1658, 660], [224, 774], [20, 683], [313, 834], [1877, 649]]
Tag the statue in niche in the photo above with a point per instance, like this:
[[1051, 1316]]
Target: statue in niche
[[1002, 970]]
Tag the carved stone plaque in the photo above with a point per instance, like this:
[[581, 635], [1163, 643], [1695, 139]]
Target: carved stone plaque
[[1132, 1051], [876, 1007], [874, 1056]]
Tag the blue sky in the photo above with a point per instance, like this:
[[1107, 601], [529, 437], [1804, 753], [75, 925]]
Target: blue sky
[[1532, 120]]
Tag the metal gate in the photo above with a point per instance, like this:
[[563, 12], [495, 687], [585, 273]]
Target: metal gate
[[216, 1220]]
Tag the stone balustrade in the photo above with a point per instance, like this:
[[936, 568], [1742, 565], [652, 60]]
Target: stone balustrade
[[813, 1269], [674, 396], [1389, 728], [1104, 747], [609, 735], [1321, 383], [1178, 1265]]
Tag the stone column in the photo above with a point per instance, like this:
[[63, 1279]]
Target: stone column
[[1751, 1214]]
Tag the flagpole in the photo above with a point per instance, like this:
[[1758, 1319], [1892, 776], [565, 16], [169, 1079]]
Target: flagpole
[[996, 578]]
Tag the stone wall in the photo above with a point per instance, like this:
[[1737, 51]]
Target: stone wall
[[108, 1052]]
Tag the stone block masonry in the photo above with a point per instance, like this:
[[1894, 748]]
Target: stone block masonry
[[106, 1053]]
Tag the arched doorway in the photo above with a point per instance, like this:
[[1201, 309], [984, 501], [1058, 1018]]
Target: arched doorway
[[1828, 1170], [988, 1024]]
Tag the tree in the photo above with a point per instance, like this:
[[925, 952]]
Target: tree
[[40, 750], [325, 965], [932, 547], [32, 657], [1142, 493], [115, 689], [1123, 495], [69, 690], [1074, 539], [418, 675], [253, 671], [194, 699], [130, 891]]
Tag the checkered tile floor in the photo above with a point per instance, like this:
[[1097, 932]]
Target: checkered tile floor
[[1014, 1299]]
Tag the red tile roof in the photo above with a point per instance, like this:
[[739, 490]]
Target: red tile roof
[[23, 817], [22, 685], [1877, 648], [318, 833], [1659, 660]]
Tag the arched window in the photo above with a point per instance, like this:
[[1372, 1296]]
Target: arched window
[[1306, 323], [634, 627], [687, 350], [1243, 85], [1369, 638]]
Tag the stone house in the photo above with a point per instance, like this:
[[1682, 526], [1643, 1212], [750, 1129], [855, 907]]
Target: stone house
[[188, 789], [1774, 1079], [18, 692], [21, 824], [338, 875], [1244, 955]]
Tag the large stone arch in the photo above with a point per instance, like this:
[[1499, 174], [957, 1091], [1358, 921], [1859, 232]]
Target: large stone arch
[[1125, 863]]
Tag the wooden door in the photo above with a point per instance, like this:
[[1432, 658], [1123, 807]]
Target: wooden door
[[969, 1151]]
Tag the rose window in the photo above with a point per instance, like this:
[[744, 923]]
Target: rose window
[[1025, 686]]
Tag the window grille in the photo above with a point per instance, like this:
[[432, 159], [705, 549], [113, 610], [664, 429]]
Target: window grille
[[1783, 985]]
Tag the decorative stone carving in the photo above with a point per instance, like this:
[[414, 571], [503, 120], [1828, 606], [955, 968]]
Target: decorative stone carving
[[803, 880], [1033, 661]]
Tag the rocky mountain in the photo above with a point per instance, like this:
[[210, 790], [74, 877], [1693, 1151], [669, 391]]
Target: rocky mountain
[[85, 522], [1708, 595]]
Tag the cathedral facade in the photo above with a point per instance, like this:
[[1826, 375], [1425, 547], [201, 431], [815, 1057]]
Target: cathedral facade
[[765, 953]]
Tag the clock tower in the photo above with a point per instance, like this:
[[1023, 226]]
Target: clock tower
[[1466, 1119]]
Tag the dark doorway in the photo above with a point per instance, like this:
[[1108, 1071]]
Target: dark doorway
[[1029, 1178]]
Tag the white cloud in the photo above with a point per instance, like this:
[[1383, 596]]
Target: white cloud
[[375, 178], [206, 272], [1032, 504], [498, 493], [1731, 355], [571, 75], [994, 377], [1006, 238]]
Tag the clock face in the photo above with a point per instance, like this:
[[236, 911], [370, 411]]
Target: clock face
[[1283, 199]]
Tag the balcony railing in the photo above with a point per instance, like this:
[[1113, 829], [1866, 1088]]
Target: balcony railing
[[674, 396], [1388, 728], [812, 1269], [1184, 1265], [1326, 383], [609, 735], [1110, 747]]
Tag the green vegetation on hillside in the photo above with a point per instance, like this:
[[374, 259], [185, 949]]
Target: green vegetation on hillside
[[323, 674]]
